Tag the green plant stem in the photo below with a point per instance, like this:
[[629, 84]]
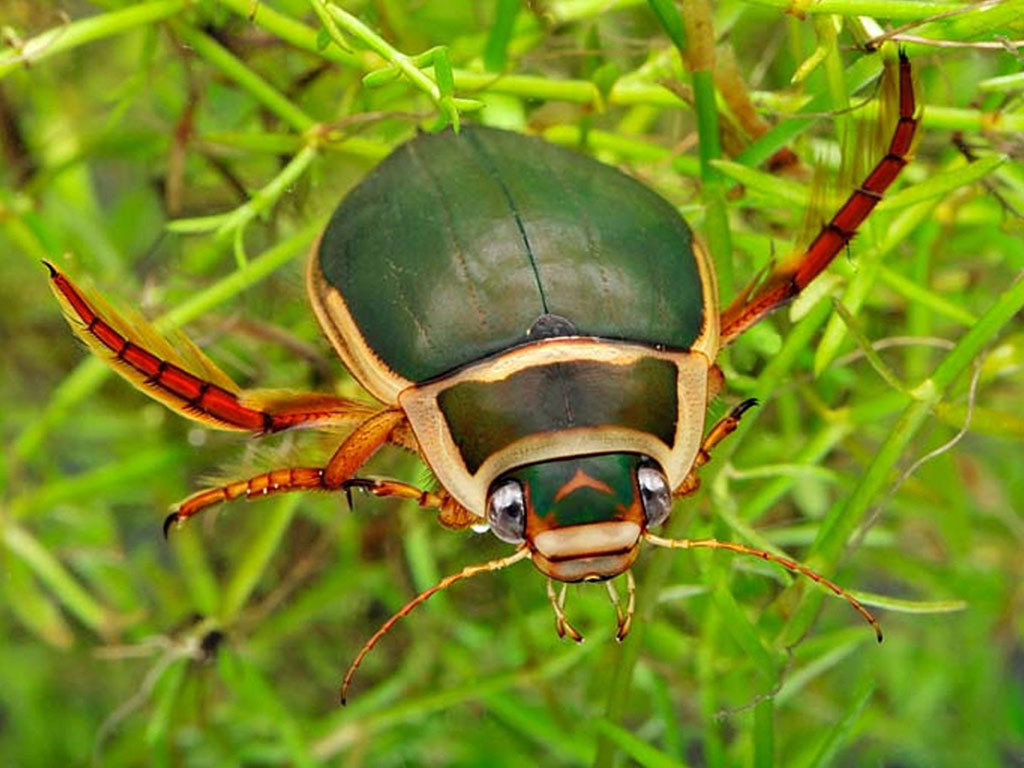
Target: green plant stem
[[294, 32], [633, 746], [716, 224], [395, 58], [886, 9], [860, 285], [69, 36], [292, 143]]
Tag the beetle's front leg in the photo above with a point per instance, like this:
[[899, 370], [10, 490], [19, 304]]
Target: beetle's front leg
[[452, 514], [722, 429]]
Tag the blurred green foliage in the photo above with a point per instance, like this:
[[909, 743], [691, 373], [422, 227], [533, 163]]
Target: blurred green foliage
[[180, 157]]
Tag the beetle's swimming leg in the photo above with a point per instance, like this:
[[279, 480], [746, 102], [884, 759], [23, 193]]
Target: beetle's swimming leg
[[184, 379], [354, 451], [625, 619], [791, 277], [722, 429], [785, 562], [562, 625]]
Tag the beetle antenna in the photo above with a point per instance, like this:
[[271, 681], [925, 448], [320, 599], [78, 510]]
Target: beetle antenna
[[466, 573], [791, 565]]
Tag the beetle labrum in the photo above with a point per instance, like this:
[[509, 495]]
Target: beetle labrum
[[555, 380]]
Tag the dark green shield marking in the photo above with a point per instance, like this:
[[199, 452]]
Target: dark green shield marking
[[485, 417]]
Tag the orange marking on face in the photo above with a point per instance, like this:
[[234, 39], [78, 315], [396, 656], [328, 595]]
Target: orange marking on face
[[582, 480]]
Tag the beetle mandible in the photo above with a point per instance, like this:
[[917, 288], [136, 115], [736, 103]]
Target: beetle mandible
[[492, 309]]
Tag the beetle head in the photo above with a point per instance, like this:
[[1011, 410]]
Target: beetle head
[[581, 517]]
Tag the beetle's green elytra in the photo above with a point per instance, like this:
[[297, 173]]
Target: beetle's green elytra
[[538, 327], [454, 246]]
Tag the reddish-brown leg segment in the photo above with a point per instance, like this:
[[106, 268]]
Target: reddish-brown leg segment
[[355, 451], [756, 301], [722, 429], [186, 380], [785, 562], [453, 515]]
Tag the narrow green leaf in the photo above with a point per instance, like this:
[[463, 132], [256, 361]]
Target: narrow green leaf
[[671, 21], [535, 724], [638, 749], [49, 570], [941, 184], [165, 697], [744, 632], [496, 48], [771, 185], [900, 605], [841, 732], [33, 607], [380, 77], [764, 734]]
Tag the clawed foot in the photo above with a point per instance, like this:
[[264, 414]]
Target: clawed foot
[[170, 520]]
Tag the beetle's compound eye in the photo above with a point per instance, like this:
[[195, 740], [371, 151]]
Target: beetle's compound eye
[[506, 512], [655, 495]]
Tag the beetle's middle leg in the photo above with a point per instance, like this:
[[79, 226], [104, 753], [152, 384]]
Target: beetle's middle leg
[[722, 429], [354, 451]]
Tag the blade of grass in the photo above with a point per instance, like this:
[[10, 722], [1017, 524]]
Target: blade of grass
[[33, 607], [639, 750], [575, 746], [764, 735], [841, 731], [65, 587], [899, 605]]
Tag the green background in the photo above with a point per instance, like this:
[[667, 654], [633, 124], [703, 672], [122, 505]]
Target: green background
[[118, 119]]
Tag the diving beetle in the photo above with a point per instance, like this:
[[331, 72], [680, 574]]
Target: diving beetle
[[540, 329]]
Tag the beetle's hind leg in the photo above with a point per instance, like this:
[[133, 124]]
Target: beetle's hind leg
[[722, 429], [761, 298], [174, 371]]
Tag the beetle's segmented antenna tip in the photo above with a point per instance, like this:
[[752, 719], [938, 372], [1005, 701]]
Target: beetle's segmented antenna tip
[[170, 520]]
